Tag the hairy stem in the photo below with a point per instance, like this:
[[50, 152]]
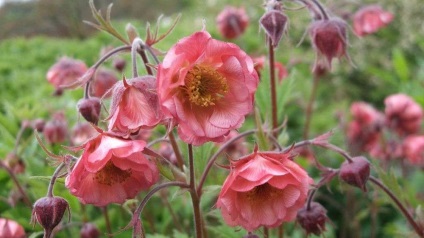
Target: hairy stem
[[195, 198], [107, 221], [273, 87], [180, 161], [419, 230], [53, 179], [309, 108]]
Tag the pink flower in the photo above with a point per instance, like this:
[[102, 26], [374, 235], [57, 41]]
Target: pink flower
[[111, 170], [232, 22], [102, 82], [413, 149], [403, 114], [263, 189], [11, 229], [207, 86], [56, 129], [363, 131], [329, 38], [370, 19], [134, 105], [65, 72]]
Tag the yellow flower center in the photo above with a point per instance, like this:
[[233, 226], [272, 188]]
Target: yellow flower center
[[204, 86], [110, 174], [260, 192]]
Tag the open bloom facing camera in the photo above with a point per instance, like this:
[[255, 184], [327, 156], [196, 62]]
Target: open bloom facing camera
[[263, 189], [370, 19], [207, 87], [111, 170]]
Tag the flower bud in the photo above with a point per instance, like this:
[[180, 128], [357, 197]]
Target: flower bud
[[312, 220], [89, 230], [90, 109], [55, 130], [356, 173], [102, 82], [15, 163], [274, 23], [119, 64], [48, 212], [232, 22], [329, 38], [38, 124]]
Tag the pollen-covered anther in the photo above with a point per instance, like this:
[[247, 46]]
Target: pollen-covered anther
[[110, 175], [265, 190], [205, 86]]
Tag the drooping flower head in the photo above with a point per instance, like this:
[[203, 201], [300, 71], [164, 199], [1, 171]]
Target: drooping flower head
[[363, 131], [207, 86], [232, 22], [102, 82], [370, 19], [111, 170], [413, 149], [134, 105], [329, 38], [65, 72], [56, 129], [263, 189], [403, 114], [11, 229]]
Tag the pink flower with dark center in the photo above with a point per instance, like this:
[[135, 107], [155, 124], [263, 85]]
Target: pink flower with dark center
[[329, 38], [370, 19], [363, 131], [413, 149], [207, 87], [403, 114], [102, 82], [111, 170], [11, 229], [134, 105], [263, 189], [65, 72], [232, 22]]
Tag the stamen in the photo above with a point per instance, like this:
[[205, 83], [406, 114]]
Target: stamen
[[110, 174]]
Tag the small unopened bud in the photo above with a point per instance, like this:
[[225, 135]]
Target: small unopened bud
[[38, 124], [356, 173], [48, 212], [119, 64], [55, 130], [274, 23], [89, 230], [313, 219], [90, 109], [15, 163]]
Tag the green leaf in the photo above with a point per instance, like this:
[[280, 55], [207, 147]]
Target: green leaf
[[400, 65]]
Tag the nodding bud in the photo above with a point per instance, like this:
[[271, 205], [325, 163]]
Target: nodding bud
[[356, 173], [329, 38], [14, 163], [56, 129], [119, 64], [90, 109], [89, 230], [232, 22], [48, 212], [312, 220], [38, 124], [274, 23]]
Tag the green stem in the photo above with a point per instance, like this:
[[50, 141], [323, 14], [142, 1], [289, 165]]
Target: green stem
[[107, 221], [195, 199]]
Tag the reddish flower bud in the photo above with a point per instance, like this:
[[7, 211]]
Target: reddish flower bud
[[14, 163], [274, 23], [313, 219], [38, 124], [48, 212], [329, 39], [55, 130], [119, 64], [232, 22], [356, 173], [102, 82], [370, 19], [90, 109], [89, 230]]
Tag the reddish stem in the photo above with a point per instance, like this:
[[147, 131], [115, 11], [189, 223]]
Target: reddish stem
[[309, 108], [273, 88], [18, 185]]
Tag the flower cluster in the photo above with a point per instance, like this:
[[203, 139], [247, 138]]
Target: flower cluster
[[389, 135]]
